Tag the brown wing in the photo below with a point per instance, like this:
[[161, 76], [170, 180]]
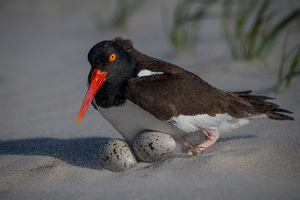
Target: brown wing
[[169, 95], [178, 91]]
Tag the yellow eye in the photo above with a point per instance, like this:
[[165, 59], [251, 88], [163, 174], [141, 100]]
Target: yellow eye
[[112, 57]]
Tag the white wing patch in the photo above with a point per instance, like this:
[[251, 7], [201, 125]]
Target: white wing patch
[[221, 122], [146, 72]]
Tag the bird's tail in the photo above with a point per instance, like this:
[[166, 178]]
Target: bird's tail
[[262, 106]]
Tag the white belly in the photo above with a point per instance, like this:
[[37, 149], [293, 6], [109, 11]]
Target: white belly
[[130, 120]]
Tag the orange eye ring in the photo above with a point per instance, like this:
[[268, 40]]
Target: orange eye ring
[[112, 57]]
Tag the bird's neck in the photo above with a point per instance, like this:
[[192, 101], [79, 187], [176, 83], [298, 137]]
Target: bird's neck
[[111, 95]]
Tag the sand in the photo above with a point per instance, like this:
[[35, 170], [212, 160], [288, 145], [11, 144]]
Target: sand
[[44, 154]]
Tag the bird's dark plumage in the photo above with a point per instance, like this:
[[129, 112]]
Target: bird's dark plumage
[[187, 94]]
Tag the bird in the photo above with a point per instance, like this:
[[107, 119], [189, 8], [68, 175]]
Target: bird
[[135, 93]]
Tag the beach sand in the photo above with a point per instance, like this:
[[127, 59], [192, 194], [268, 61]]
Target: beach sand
[[44, 154]]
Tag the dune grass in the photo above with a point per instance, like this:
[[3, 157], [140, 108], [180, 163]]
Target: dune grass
[[187, 18], [124, 10], [251, 26], [116, 13], [288, 68]]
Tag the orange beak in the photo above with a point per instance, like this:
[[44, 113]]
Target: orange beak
[[98, 78]]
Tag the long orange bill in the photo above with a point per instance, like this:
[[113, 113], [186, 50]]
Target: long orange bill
[[98, 78]]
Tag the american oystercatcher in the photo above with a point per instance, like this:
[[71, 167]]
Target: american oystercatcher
[[136, 93]]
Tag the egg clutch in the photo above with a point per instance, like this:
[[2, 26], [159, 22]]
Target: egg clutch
[[116, 155]]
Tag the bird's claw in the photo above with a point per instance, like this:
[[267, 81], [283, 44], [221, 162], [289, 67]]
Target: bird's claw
[[193, 148]]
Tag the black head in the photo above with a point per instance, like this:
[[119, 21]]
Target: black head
[[108, 56], [111, 68]]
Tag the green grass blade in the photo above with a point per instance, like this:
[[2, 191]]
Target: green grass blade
[[226, 16], [197, 19], [187, 20], [292, 67], [124, 9], [243, 15], [267, 40], [120, 13], [282, 63], [256, 28], [177, 32]]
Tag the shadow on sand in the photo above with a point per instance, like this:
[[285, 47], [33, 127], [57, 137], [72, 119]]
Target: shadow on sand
[[81, 152]]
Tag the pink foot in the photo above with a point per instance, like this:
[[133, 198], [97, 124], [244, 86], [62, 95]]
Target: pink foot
[[211, 137]]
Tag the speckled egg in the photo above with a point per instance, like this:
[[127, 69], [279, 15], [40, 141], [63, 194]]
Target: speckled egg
[[116, 155], [153, 146]]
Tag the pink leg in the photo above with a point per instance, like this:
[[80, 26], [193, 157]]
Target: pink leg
[[211, 137]]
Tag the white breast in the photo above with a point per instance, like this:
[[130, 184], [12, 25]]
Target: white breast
[[130, 120]]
